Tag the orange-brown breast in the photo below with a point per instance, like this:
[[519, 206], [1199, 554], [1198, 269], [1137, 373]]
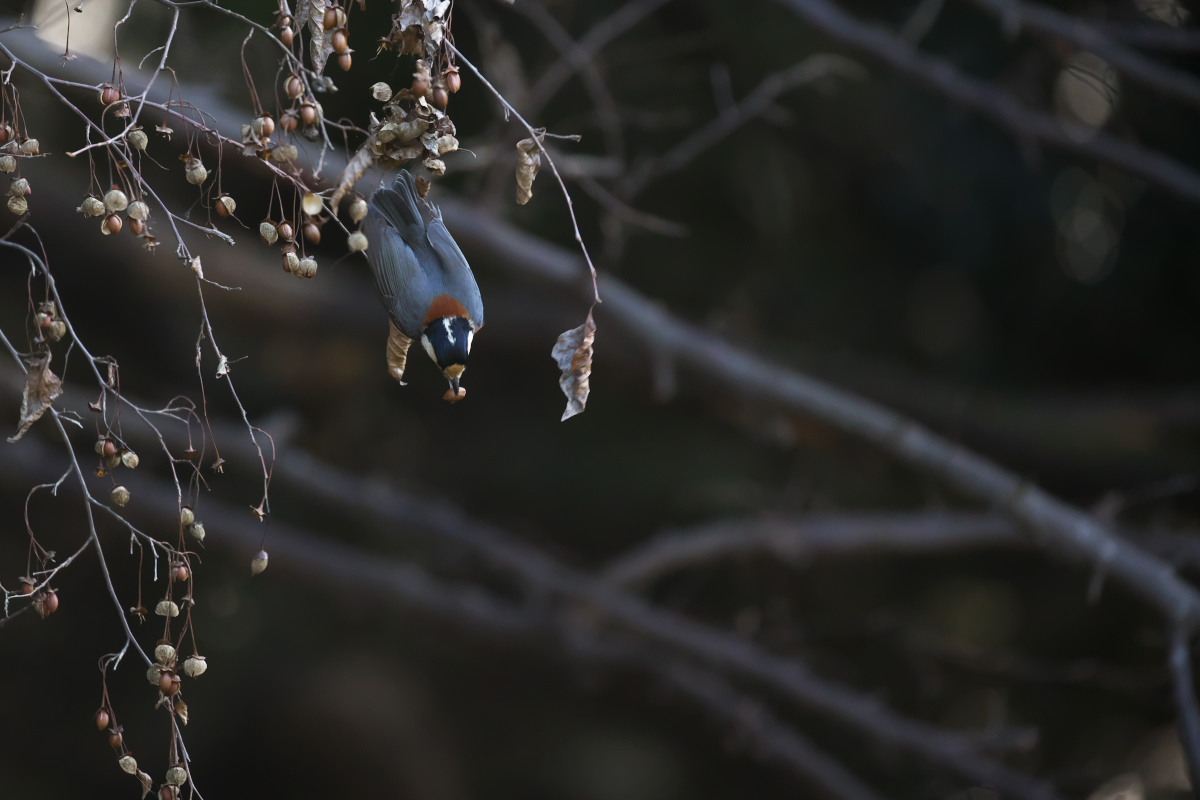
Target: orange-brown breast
[[444, 306]]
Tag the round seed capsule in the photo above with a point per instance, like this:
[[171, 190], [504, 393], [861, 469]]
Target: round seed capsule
[[137, 139], [115, 200], [91, 207], [357, 242]]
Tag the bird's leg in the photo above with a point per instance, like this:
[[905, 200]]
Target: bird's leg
[[397, 352]]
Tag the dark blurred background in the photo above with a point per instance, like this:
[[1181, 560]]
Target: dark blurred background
[[1031, 304]]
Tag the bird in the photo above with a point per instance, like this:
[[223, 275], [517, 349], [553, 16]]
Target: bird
[[424, 281]]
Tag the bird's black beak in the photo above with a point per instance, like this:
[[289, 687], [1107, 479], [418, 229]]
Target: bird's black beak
[[454, 385]]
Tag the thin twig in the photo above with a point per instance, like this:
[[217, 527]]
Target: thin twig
[[537, 137]]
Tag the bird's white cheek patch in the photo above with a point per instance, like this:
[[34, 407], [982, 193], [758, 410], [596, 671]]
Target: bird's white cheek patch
[[428, 347], [470, 339]]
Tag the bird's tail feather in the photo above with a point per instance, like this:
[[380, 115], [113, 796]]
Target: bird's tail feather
[[398, 204]]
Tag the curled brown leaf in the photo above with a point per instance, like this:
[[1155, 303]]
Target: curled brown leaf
[[573, 354], [529, 161], [41, 387]]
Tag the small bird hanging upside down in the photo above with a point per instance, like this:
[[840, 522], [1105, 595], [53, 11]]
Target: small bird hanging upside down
[[425, 283]]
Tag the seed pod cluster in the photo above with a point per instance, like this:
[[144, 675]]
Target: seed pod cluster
[[18, 192], [413, 123]]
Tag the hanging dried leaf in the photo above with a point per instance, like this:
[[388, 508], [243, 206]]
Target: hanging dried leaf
[[529, 161], [41, 387], [397, 353], [321, 40], [573, 354], [147, 783]]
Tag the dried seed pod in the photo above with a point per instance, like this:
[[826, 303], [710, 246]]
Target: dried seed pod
[[307, 268], [340, 40], [194, 666], [287, 35], [181, 710], [225, 206], [263, 126], [180, 572], [286, 231], [168, 792], [285, 153], [453, 79], [335, 17], [136, 227], [291, 261], [186, 516], [312, 204], [258, 564], [308, 113], [345, 61], [102, 720], [100, 446], [137, 139], [153, 673], [312, 232], [115, 200], [166, 608], [8, 163], [116, 739], [138, 210], [168, 683], [176, 775], [435, 165], [58, 329], [164, 654], [446, 144], [111, 224], [18, 205], [108, 94], [6, 133], [195, 171], [91, 207], [47, 604], [27, 585], [421, 79], [130, 459], [381, 92], [20, 186], [267, 232], [440, 97], [358, 209], [128, 764], [31, 147], [289, 121], [293, 86], [357, 242], [120, 495], [196, 531]]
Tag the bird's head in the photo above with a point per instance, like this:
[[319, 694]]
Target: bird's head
[[447, 340]]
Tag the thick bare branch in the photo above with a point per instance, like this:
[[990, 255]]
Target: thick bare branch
[[1024, 123]]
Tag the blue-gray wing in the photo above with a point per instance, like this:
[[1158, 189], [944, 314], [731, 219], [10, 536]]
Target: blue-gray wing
[[398, 272], [460, 281]]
